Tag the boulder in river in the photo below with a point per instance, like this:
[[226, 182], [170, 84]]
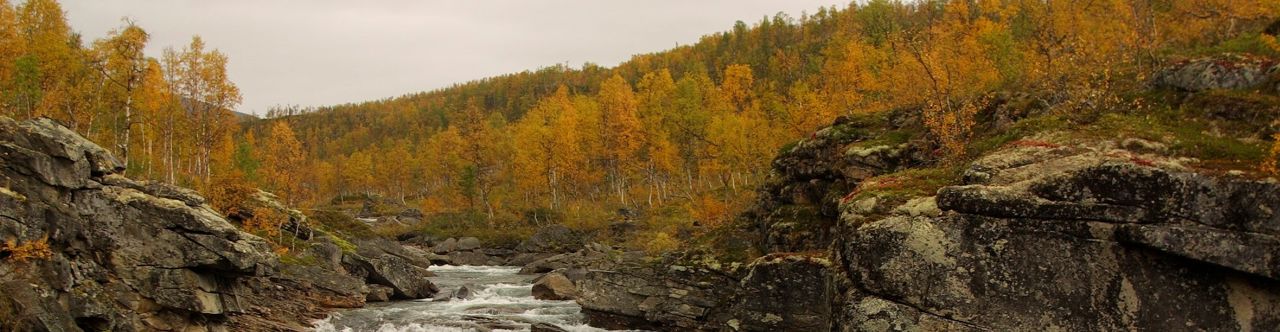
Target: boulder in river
[[464, 292], [554, 286], [407, 280], [379, 293]]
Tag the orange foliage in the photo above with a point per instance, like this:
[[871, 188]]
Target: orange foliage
[[951, 126], [1269, 163], [266, 220], [26, 251], [711, 212]]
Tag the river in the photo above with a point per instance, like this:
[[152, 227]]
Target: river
[[501, 301]]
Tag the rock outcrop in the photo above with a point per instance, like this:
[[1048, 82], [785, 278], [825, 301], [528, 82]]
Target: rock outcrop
[[593, 256], [386, 263], [1049, 233], [1068, 238], [121, 254], [797, 207], [775, 293], [84, 248]]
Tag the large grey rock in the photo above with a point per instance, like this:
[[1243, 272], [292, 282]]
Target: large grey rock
[[1068, 238], [464, 292], [378, 247], [122, 254], [523, 259], [797, 207], [405, 279], [474, 258], [784, 293], [379, 293], [446, 246], [652, 297], [468, 243], [776, 293]]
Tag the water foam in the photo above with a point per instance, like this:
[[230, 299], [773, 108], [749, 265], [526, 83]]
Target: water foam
[[501, 300]]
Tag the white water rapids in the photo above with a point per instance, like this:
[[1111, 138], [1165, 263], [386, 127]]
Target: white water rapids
[[501, 301]]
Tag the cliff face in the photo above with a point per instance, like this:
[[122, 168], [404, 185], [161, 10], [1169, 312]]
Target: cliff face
[[1065, 238], [122, 255], [84, 248], [1061, 230]]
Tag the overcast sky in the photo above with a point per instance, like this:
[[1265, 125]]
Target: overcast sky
[[324, 52]]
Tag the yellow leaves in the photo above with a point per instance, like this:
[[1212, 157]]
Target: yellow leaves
[[266, 221], [620, 120], [709, 211], [661, 243], [736, 87], [11, 47], [548, 152], [951, 125], [1271, 42], [230, 195], [1269, 164], [26, 251], [284, 161]]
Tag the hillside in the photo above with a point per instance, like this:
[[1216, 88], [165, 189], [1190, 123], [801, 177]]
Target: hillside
[[677, 140]]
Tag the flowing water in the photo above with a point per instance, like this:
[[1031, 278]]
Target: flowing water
[[501, 301]]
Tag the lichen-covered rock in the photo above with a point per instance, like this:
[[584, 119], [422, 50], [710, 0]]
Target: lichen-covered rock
[[799, 203], [784, 293], [1068, 238], [654, 297], [777, 293], [1230, 71]]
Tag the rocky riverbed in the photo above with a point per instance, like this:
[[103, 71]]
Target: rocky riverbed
[[474, 298]]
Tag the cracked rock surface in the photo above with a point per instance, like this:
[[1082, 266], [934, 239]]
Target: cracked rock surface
[[1070, 239], [123, 255]]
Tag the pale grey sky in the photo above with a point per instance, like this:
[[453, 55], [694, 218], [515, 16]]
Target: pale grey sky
[[324, 52]]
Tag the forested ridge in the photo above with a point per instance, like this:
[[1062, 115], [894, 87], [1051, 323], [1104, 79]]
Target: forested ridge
[[677, 139]]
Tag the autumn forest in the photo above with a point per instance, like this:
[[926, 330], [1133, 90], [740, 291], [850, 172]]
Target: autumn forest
[[677, 140]]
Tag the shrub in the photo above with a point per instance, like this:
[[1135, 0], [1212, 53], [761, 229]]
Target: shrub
[[1269, 163], [661, 243], [952, 125], [26, 251]]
